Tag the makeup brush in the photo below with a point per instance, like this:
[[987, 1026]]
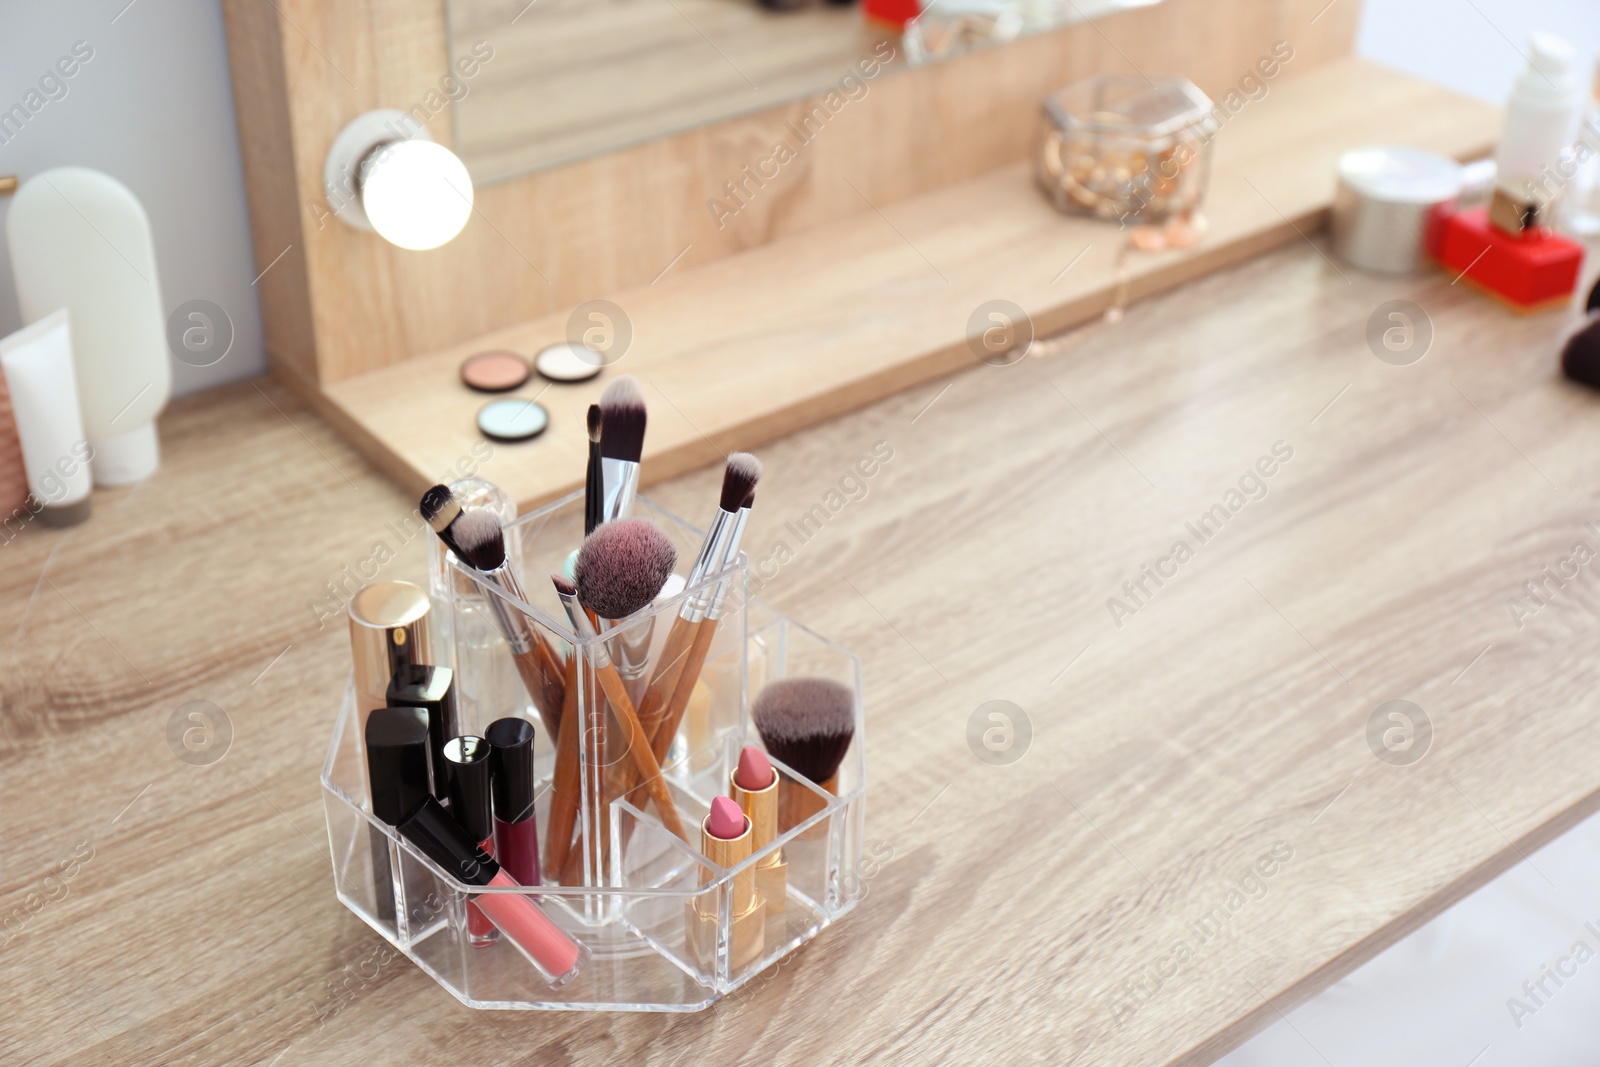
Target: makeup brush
[[739, 478], [808, 724], [620, 569], [480, 542], [440, 509], [616, 583], [700, 645], [594, 486], [622, 419], [564, 781]]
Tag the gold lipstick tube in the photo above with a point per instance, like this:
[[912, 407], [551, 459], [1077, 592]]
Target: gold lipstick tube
[[748, 937], [760, 806]]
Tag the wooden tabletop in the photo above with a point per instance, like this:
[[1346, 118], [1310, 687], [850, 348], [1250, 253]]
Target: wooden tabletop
[[1197, 835]]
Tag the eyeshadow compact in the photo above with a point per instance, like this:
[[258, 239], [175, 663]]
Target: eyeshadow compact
[[513, 419], [567, 362], [495, 371]]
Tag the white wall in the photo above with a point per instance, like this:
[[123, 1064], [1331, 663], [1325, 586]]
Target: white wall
[[154, 109], [1474, 46]]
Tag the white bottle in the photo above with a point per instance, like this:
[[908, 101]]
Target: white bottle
[[79, 239], [1581, 199], [1541, 124], [37, 362]]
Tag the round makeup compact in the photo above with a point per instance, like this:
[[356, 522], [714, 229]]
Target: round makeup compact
[[496, 371], [512, 419], [566, 362]]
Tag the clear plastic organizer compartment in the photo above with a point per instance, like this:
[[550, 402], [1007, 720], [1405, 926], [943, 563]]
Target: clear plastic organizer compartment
[[661, 927]]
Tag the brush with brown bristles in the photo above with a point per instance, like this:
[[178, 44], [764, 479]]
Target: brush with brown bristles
[[739, 478], [480, 542], [744, 471], [808, 724], [627, 576], [594, 484], [622, 422]]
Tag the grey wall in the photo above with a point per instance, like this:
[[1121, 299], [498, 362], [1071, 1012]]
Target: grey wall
[[154, 109]]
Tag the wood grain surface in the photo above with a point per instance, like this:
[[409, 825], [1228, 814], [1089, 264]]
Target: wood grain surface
[[159, 912], [339, 302], [743, 350]]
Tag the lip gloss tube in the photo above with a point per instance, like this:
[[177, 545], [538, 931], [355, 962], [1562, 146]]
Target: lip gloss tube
[[466, 773], [553, 953], [516, 826]]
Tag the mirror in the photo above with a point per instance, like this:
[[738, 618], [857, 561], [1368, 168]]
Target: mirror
[[558, 80]]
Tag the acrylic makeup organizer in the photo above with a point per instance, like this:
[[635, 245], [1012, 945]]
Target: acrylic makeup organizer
[[641, 885]]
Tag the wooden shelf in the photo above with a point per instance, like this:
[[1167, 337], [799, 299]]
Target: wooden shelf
[[749, 348]]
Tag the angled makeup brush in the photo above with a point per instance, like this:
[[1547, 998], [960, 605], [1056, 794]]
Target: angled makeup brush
[[480, 542], [637, 744], [807, 723], [440, 509], [739, 479], [594, 485], [622, 419]]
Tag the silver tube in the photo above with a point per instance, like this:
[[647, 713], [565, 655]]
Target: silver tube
[[621, 478]]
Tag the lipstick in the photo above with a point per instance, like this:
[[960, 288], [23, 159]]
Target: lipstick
[[417, 685], [388, 630], [466, 776], [516, 829], [554, 954], [726, 839], [397, 773], [754, 785]]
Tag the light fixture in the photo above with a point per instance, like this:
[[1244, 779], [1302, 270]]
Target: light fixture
[[385, 174]]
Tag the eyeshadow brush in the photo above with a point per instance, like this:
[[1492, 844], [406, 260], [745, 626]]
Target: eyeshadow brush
[[440, 509], [594, 485], [704, 631], [739, 478], [481, 544]]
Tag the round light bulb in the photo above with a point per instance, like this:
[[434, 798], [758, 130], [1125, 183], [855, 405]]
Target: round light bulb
[[416, 194]]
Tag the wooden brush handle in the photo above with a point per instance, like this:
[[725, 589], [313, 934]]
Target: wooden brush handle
[[693, 663], [644, 761], [564, 781], [687, 674], [796, 804], [664, 679], [531, 666]]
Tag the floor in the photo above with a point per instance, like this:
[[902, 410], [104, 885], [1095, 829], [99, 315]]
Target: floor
[[1507, 976]]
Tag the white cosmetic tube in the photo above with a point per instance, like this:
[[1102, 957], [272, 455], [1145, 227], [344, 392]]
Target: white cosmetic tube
[[37, 361], [80, 239]]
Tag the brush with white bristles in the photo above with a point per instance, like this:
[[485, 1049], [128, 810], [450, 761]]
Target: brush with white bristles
[[622, 422], [480, 543]]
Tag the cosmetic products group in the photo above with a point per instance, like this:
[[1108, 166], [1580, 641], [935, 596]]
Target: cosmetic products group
[[582, 769]]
